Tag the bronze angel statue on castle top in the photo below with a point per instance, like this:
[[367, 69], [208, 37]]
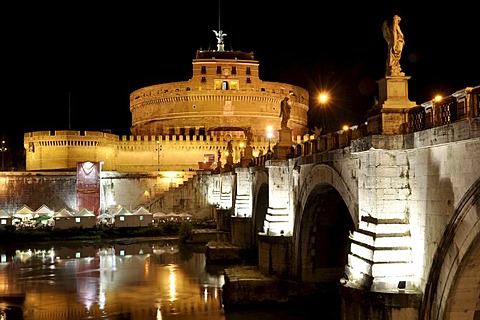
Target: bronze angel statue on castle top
[[395, 40], [219, 35]]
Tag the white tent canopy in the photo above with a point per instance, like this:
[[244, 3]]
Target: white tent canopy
[[43, 210], [4, 214], [142, 211], [62, 213], [24, 213], [85, 213], [122, 211]]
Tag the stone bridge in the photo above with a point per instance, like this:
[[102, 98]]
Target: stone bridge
[[389, 211]]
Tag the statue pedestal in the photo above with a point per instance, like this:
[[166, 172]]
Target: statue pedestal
[[229, 164], [390, 115], [284, 146], [247, 157]]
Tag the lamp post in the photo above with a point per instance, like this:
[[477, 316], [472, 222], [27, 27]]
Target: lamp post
[[3, 149], [269, 136], [322, 99]]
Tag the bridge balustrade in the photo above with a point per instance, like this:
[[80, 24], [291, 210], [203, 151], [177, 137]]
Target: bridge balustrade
[[445, 111], [421, 117], [298, 150], [417, 119], [321, 143], [307, 147], [344, 138]]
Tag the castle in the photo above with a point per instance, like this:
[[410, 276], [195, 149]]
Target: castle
[[180, 127]]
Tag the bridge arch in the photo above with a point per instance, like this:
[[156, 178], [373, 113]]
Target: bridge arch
[[260, 202], [326, 212], [453, 287]]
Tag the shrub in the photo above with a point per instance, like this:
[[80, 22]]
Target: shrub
[[185, 232]]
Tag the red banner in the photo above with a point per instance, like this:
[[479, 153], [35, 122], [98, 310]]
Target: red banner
[[88, 186]]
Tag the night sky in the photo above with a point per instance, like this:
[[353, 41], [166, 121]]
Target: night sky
[[74, 66]]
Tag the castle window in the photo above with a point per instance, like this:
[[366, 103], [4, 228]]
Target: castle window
[[204, 70], [204, 79], [219, 70], [188, 89], [225, 85], [262, 89], [249, 72], [249, 80], [234, 70]]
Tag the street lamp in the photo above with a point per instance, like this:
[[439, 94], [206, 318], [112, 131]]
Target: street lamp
[[323, 99], [269, 136], [3, 149]]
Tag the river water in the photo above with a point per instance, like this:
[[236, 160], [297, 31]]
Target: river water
[[129, 279]]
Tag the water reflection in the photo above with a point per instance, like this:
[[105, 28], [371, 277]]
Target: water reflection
[[141, 280]]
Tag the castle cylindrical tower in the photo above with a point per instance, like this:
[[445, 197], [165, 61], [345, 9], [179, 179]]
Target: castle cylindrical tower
[[224, 94]]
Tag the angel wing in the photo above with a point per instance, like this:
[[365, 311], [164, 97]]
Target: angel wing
[[220, 35], [387, 33]]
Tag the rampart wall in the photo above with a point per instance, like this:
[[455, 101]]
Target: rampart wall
[[61, 150]]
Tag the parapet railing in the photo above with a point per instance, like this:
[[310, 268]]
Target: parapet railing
[[462, 105]]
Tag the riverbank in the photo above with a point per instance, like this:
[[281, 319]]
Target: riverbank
[[183, 230]]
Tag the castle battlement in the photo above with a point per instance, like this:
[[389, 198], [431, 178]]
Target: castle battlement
[[72, 135], [62, 134]]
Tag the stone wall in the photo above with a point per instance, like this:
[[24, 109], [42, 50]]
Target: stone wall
[[56, 190]]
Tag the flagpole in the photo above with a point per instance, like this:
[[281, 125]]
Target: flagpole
[[69, 111]]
